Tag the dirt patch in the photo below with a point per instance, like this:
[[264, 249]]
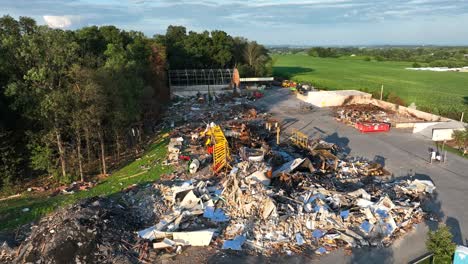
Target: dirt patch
[[93, 231]]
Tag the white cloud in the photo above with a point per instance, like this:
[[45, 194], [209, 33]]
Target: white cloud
[[60, 21]]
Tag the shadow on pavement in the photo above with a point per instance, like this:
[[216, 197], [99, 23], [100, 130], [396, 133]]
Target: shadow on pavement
[[232, 257], [273, 98], [455, 229], [287, 122], [372, 255], [380, 160], [342, 142]]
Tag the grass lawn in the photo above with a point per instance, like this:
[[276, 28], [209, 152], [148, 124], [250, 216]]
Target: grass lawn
[[436, 90], [11, 214], [455, 151]]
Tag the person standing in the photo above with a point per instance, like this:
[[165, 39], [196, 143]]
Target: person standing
[[433, 155]]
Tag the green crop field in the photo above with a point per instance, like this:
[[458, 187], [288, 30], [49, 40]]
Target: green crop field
[[444, 93]]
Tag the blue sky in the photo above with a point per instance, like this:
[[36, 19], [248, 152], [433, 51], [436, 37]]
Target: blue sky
[[299, 22]]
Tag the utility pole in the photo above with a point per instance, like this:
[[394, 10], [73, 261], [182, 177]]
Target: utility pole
[[381, 92], [443, 149], [461, 119]]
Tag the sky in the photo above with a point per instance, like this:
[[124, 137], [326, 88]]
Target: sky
[[270, 22]]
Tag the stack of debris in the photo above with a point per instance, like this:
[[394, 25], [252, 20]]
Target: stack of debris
[[74, 187], [278, 198], [371, 114], [350, 167], [268, 198], [93, 231], [365, 113], [291, 214]]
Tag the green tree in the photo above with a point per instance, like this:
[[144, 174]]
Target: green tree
[[66, 93], [239, 45], [9, 160], [198, 49], [440, 243], [174, 42], [43, 93], [222, 48], [324, 52], [379, 58], [460, 136], [312, 53], [92, 45], [256, 58]]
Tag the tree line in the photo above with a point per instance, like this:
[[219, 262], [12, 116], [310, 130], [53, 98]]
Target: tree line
[[70, 99], [420, 56], [74, 102], [215, 49]]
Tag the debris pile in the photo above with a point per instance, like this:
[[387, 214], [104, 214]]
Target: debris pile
[[369, 113], [365, 113], [295, 212], [235, 186], [275, 198], [94, 231]]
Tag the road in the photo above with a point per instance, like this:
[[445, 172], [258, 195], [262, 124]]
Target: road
[[403, 153]]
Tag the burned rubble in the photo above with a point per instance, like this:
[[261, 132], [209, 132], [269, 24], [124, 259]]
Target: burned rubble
[[274, 198], [367, 113], [239, 183], [96, 230]]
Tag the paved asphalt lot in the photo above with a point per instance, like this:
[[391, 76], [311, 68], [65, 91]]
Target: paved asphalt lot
[[403, 153]]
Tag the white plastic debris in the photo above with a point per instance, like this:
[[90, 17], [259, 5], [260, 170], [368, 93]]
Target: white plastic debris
[[288, 166], [194, 165], [299, 239], [194, 238]]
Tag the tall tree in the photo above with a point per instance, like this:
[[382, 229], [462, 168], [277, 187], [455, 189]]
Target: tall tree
[[223, 45], [257, 59], [43, 93]]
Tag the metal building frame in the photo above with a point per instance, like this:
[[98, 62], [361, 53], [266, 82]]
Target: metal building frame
[[193, 77]]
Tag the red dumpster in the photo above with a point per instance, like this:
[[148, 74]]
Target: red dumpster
[[372, 127]]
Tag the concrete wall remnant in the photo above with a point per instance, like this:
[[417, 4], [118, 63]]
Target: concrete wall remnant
[[335, 98]]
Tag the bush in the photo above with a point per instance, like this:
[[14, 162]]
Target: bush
[[440, 243], [379, 58], [416, 65], [246, 71], [312, 52], [367, 59], [395, 99], [447, 63]]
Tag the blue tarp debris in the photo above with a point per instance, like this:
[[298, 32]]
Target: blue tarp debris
[[382, 213], [366, 226], [344, 214], [216, 215], [321, 250], [235, 244], [317, 233]]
